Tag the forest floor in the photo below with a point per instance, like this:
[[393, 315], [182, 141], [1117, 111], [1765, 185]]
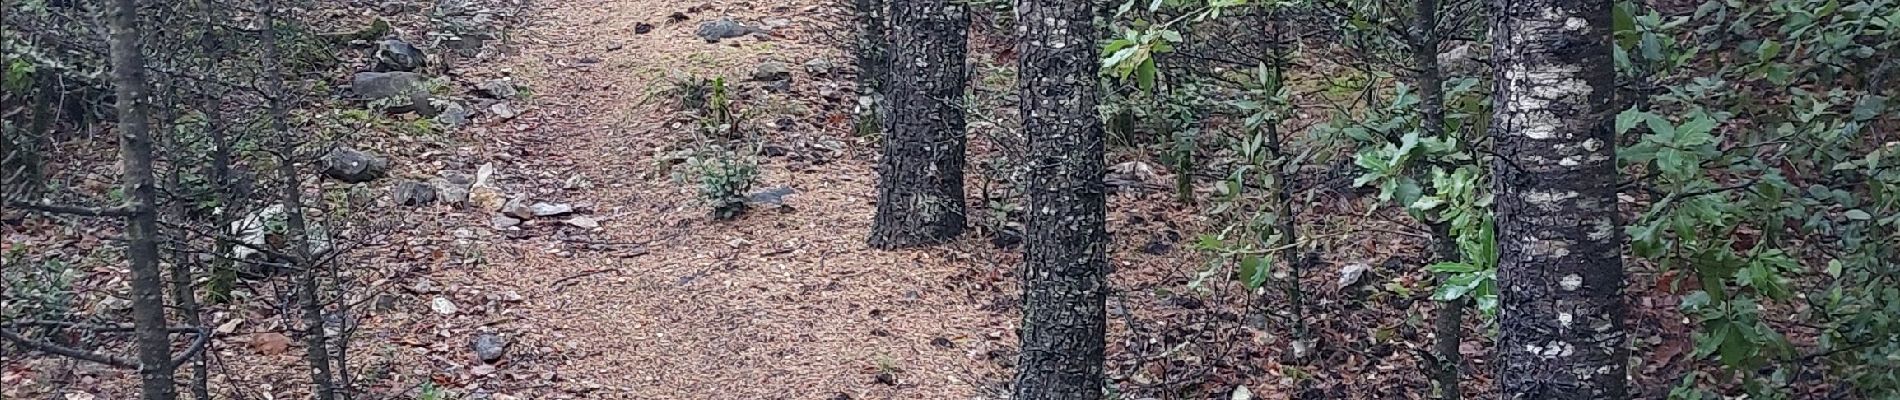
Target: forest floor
[[662, 302], [642, 295]]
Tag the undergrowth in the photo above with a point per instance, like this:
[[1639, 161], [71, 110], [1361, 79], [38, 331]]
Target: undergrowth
[[721, 159]]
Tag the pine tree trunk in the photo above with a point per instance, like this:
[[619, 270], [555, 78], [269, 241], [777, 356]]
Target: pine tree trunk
[[1065, 249], [141, 188], [20, 176], [920, 177], [873, 49], [1560, 272], [316, 346], [1448, 323]]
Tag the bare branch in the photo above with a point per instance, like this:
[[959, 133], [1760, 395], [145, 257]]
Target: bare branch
[[118, 211], [68, 352], [197, 343]]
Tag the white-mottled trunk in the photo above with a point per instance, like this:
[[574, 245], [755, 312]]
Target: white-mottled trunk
[[1560, 272]]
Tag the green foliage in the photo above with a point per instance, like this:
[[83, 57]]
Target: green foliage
[[692, 92], [722, 161], [35, 289], [1254, 195], [1475, 274], [303, 50], [429, 391], [351, 121], [1766, 186], [1437, 180], [723, 178], [17, 76], [1136, 44]]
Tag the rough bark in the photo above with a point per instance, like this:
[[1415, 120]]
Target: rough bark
[[1447, 326], [141, 189], [1560, 270], [316, 348], [1065, 276], [20, 176], [1448, 323], [184, 292], [873, 64], [920, 177]]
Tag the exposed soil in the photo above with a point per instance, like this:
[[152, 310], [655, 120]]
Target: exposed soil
[[662, 302]]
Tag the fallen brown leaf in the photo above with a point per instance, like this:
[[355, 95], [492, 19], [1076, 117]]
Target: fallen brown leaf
[[270, 343]]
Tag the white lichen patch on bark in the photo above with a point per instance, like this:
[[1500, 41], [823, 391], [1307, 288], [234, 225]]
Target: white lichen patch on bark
[[1602, 229], [1570, 283], [1553, 350], [1547, 249], [1549, 200], [1576, 24], [1545, 90]]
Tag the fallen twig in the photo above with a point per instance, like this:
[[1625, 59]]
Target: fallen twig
[[561, 282]]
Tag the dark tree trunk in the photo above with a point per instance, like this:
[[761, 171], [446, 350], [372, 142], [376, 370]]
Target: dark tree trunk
[[316, 347], [1448, 324], [184, 291], [1065, 249], [873, 48], [20, 159], [920, 177], [141, 188], [1560, 271]]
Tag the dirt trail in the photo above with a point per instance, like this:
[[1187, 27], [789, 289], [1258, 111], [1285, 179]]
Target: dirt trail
[[777, 305]]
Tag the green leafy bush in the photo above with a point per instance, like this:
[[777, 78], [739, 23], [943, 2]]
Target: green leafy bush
[[36, 289], [722, 162], [1765, 186]]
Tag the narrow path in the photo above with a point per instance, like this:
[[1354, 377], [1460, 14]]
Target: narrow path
[[777, 305]]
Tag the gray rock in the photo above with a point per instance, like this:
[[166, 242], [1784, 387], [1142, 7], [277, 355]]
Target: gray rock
[[456, 177], [489, 347], [465, 33], [413, 193], [550, 210], [381, 85], [466, 44], [500, 221], [778, 86], [517, 207], [450, 8], [397, 55], [577, 182], [503, 110], [349, 165], [774, 150], [723, 28], [769, 198], [583, 222], [373, 86], [772, 23], [819, 67], [452, 115], [450, 192], [1350, 273], [772, 71], [498, 89], [831, 93]]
